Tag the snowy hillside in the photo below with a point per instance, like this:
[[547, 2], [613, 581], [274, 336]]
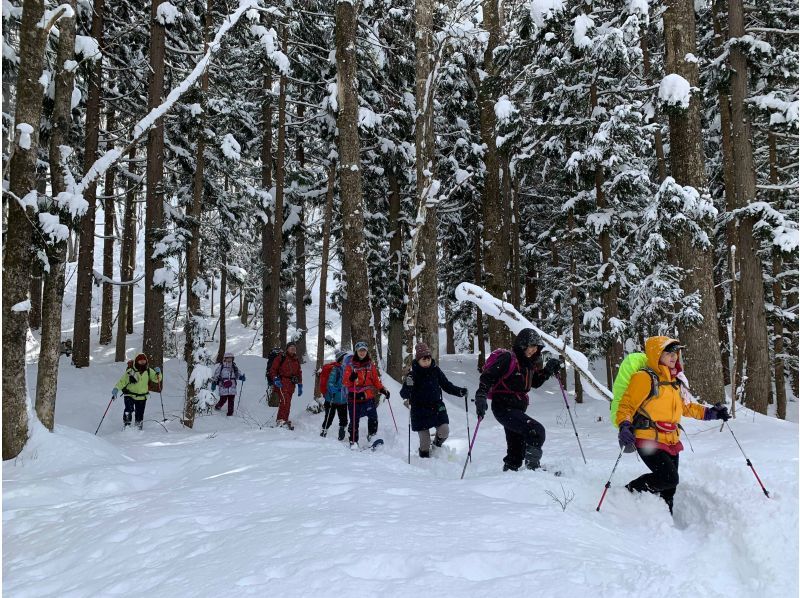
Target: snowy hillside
[[236, 508]]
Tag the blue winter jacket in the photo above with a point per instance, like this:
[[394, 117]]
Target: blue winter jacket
[[335, 392]]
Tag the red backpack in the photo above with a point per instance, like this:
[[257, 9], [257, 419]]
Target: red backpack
[[152, 385], [491, 360], [324, 375]]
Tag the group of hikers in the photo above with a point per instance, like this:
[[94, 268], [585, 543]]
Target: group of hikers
[[652, 395]]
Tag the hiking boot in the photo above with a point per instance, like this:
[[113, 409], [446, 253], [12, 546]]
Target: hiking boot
[[507, 467], [424, 454], [371, 436], [217, 408], [139, 425], [353, 446], [323, 433], [342, 431], [438, 442], [533, 455]]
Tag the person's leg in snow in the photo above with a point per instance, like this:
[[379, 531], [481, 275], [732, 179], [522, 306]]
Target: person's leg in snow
[[372, 419], [327, 419], [139, 409], [424, 443], [127, 413], [341, 411], [442, 432], [285, 393], [664, 477], [524, 437]]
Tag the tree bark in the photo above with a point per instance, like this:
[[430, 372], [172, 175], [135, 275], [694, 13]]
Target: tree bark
[[777, 297], [53, 294], [576, 313], [347, 332], [126, 263], [109, 216], [478, 313], [132, 268], [154, 295], [323, 276], [449, 329], [394, 346], [18, 251], [36, 297], [350, 175], [702, 356], [81, 336], [269, 294], [277, 306], [300, 252], [757, 383], [223, 313]]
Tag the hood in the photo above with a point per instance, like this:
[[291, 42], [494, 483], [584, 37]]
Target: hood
[[528, 337], [653, 347], [137, 359]]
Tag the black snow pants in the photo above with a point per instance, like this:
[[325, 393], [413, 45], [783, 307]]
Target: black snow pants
[[663, 480], [524, 436]]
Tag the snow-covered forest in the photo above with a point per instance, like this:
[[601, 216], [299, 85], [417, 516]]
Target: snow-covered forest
[[188, 178]]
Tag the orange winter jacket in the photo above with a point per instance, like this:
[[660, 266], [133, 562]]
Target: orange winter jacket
[[667, 407], [367, 379]]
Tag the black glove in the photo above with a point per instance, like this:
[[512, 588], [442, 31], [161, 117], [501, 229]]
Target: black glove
[[627, 437], [552, 366], [462, 392], [481, 405], [718, 411], [384, 392], [294, 379], [353, 376]]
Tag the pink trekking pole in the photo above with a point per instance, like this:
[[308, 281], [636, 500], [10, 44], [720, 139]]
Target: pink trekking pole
[[608, 483], [471, 444]]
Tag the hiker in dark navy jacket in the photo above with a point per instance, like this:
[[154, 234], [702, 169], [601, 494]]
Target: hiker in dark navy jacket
[[422, 391], [506, 379]]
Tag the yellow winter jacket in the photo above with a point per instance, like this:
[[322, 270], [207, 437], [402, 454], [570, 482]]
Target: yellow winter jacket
[[668, 406], [135, 384]]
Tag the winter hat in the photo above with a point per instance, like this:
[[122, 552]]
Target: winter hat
[[291, 344], [227, 354], [528, 337], [361, 345], [340, 353], [140, 362], [420, 351]]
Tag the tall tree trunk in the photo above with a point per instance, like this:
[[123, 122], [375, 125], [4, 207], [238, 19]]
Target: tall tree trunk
[[109, 216], [478, 312], [576, 312], [269, 295], [53, 294], [777, 297], [757, 383], [132, 269], [125, 262], [36, 297], [154, 295], [449, 329], [394, 346], [81, 336], [688, 168], [195, 212], [377, 327], [18, 252], [350, 175], [323, 276], [495, 252], [658, 141], [516, 273], [423, 317], [347, 329], [278, 306], [223, 313], [300, 252]]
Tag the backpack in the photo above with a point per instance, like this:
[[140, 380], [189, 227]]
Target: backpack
[[270, 359], [152, 385], [492, 359], [634, 362], [324, 375]]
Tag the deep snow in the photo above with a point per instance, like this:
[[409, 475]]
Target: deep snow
[[236, 508]]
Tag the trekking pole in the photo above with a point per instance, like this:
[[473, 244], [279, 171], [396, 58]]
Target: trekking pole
[[471, 444], [466, 410], [104, 415], [566, 402], [388, 402], [239, 400], [608, 483], [164, 415], [409, 439], [749, 463]]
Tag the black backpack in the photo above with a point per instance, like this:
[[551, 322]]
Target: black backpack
[[276, 352]]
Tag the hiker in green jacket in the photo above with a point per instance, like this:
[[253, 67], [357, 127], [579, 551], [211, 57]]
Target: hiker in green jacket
[[135, 385]]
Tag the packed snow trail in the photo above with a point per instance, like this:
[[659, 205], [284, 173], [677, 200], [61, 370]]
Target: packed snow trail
[[234, 509]]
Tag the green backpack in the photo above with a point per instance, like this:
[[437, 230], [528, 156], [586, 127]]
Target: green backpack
[[634, 362]]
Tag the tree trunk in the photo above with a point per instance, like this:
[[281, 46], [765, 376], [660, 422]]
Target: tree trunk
[[377, 327], [153, 340], [269, 337], [18, 252], [300, 253], [125, 263], [36, 297], [688, 168], [109, 216], [223, 313], [347, 331], [777, 298], [394, 346], [278, 306], [496, 246], [132, 269], [423, 318], [449, 329], [478, 313], [323, 276], [354, 244], [658, 141], [576, 313], [81, 336], [757, 383], [53, 294]]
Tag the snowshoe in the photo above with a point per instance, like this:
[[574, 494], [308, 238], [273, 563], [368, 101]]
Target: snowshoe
[[375, 444], [424, 454], [323, 433]]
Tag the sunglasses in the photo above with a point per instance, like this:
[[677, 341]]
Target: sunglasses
[[674, 350]]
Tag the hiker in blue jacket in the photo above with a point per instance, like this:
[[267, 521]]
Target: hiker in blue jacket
[[507, 378], [335, 397], [422, 393]]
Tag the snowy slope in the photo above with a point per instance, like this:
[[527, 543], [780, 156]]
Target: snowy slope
[[237, 508]]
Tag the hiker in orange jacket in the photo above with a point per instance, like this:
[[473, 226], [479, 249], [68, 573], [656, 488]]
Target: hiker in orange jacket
[[363, 383], [650, 425]]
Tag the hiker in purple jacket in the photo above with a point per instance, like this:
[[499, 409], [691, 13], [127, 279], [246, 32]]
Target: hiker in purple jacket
[[506, 379]]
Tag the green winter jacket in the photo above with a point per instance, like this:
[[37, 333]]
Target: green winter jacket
[[134, 383]]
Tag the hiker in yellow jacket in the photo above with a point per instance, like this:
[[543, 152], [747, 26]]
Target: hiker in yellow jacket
[[135, 385], [649, 421]]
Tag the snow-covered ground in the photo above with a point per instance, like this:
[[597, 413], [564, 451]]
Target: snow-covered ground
[[237, 508]]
